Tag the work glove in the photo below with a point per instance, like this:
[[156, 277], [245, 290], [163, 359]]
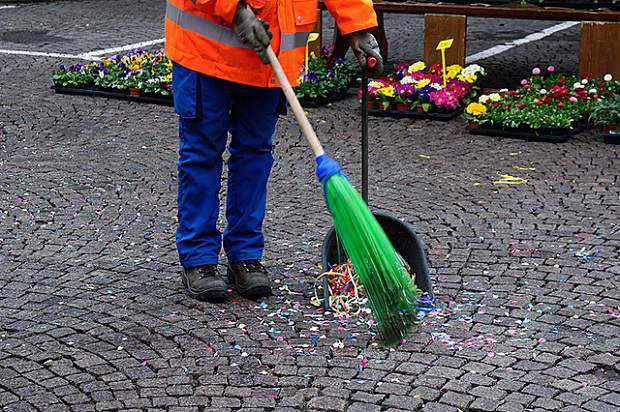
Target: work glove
[[365, 45], [252, 31]]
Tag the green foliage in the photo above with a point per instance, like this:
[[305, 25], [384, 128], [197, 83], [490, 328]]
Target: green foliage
[[606, 111]]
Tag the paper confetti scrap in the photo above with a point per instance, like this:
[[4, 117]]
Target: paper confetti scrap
[[509, 180]]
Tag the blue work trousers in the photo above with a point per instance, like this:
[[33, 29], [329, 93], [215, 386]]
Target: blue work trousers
[[209, 109]]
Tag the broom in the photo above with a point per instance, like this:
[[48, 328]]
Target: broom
[[391, 292]]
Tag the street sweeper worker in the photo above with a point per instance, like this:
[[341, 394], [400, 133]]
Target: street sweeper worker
[[222, 84]]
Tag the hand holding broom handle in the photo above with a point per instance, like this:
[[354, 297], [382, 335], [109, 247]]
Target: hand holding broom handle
[[298, 111]]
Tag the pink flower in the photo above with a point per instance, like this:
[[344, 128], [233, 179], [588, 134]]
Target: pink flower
[[573, 99], [550, 69], [535, 71], [523, 82]]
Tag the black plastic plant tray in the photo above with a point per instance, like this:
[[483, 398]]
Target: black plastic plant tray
[[86, 91], [555, 136], [609, 138], [443, 116], [314, 103]]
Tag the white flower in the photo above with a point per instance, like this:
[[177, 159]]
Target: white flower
[[471, 70], [483, 99], [577, 85], [495, 97], [543, 91], [408, 80], [436, 86], [584, 81], [607, 77], [592, 91], [503, 91]]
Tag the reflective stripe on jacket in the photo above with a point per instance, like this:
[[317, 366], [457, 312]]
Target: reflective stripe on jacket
[[199, 35]]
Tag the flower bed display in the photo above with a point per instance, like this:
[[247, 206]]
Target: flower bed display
[[139, 75], [417, 91], [324, 81], [545, 107], [146, 76]]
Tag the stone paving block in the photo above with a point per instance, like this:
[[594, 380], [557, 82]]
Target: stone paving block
[[457, 399], [363, 407], [484, 404], [326, 403]]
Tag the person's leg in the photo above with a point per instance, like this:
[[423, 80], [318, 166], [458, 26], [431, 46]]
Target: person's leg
[[254, 116], [203, 104]]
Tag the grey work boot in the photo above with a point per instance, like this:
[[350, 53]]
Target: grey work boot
[[204, 283], [249, 278]]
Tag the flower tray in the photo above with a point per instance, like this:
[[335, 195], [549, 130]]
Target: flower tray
[[314, 103], [610, 138], [87, 91], [543, 135], [443, 116]]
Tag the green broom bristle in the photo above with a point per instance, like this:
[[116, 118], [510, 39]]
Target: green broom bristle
[[387, 284]]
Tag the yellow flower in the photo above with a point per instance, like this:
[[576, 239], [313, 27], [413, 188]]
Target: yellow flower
[[476, 109], [453, 71], [386, 91], [375, 84], [471, 78], [417, 67], [423, 83]]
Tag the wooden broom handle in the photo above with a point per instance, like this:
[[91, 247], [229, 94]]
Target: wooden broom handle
[[298, 111]]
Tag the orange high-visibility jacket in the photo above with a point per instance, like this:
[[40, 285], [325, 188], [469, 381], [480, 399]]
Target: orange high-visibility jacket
[[199, 35]]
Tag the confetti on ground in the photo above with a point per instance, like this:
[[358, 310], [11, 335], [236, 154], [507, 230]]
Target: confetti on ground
[[423, 156], [523, 168], [509, 180], [587, 255]]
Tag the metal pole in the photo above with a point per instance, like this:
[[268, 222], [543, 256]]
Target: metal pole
[[365, 135]]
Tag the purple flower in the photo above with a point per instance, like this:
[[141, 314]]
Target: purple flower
[[331, 73], [62, 67], [536, 71], [338, 62]]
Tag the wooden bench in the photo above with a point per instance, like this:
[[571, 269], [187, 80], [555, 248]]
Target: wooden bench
[[600, 30]]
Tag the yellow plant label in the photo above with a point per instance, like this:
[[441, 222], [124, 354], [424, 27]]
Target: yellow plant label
[[445, 44]]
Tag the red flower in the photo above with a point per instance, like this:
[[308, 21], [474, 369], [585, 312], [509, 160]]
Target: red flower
[[560, 104], [538, 103], [561, 80], [520, 105]]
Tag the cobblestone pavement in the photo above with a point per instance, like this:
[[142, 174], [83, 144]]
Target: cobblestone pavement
[[93, 316]]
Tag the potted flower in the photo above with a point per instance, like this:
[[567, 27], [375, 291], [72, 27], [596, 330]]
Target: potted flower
[[474, 113], [386, 97], [606, 115], [324, 80], [405, 97]]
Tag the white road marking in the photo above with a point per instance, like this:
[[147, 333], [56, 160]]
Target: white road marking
[[514, 43], [124, 48], [7, 7], [43, 54]]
